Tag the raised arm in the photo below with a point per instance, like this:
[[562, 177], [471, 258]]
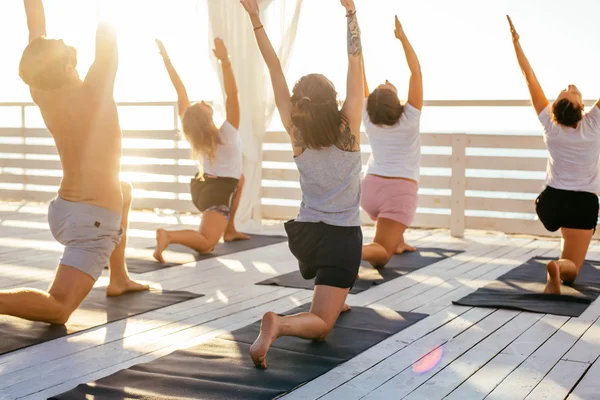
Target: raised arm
[[365, 83], [280, 86], [353, 105], [36, 18], [232, 103], [183, 102], [103, 72], [415, 86], [538, 98]]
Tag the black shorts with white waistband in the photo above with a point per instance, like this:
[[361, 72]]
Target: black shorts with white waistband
[[559, 208], [331, 254], [213, 193]]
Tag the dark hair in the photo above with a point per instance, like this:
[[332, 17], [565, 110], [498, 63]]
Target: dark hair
[[384, 107], [315, 112], [566, 113], [43, 64]]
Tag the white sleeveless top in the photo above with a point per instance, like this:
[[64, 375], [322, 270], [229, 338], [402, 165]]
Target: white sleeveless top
[[573, 162], [395, 150], [228, 155]]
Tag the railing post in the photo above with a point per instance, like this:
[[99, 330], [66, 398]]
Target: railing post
[[458, 185]]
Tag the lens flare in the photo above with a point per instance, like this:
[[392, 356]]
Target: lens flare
[[429, 361]]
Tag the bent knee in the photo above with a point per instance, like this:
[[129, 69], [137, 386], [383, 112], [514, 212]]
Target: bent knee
[[325, 334], [60, 315]]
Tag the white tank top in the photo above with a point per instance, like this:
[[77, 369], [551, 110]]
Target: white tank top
[[228, 155], [395, 150]]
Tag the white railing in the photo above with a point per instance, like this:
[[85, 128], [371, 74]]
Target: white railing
[[469, 181]]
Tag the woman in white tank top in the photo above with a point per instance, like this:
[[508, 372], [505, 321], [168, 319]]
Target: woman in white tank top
[[570, 200], [390, 186], [217, 192]]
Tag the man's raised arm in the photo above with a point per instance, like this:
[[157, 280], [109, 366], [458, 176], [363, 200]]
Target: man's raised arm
[[104, 70], [36, 18]]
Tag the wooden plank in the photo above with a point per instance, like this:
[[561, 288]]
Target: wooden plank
[[427, 160], [422, 220], [384, 372], [507, 163], [442, 383], [589, 387], [505, 185], [165, 204], [531, 372], [28, 195], [558, 383], [426, 181], [134, 134], [507, 142], [425, 201], [509, 226], [479, 385], [458, 185], [504, 205], [427, 139], [30, 164], [587, 349]]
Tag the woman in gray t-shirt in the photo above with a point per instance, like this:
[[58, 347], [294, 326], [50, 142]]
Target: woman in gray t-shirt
[[326, 237]]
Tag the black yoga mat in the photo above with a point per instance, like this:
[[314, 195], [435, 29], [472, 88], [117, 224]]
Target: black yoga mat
[[178, 255], [523, 289], [368, 276], [222, 368], [96, 310]]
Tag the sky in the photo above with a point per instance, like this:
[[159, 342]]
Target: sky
[[464, 47]]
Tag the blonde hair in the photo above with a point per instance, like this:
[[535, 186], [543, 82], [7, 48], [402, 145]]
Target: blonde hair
[[200, 131]]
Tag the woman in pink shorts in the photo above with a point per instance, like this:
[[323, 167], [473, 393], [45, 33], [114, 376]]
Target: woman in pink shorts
[[390, 186]]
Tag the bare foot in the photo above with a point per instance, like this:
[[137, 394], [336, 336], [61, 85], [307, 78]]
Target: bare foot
[[234, 236], [162, 242], [346, 308], [269, 330], [127, 286], [553, 285], [403, 247]]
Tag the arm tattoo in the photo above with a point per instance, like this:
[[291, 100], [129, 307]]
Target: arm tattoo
[[354, 43], [347, 140]]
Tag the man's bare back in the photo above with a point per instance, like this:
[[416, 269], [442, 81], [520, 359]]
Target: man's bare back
[[84, 123]]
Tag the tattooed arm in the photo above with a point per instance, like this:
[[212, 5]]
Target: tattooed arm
[[353, 106]]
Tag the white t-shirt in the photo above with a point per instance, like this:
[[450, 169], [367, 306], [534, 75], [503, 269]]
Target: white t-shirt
[[395, 150], [573, 163], [228, 155]]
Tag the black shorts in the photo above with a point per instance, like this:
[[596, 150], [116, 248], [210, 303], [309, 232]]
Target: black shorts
[[213, 194], [331, 254], [558, 208]]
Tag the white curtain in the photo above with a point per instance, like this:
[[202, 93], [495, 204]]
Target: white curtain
[[229, 21]]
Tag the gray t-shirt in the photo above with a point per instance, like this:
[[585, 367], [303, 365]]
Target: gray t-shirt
[[330, 183]]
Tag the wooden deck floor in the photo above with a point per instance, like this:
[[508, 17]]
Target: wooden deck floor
[[487, 353]]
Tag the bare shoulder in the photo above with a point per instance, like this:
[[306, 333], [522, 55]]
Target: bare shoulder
[[347, 140]]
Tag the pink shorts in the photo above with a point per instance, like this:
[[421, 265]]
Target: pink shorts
[[394, 199]]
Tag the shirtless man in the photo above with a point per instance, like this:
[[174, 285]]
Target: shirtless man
[[90, 214]]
